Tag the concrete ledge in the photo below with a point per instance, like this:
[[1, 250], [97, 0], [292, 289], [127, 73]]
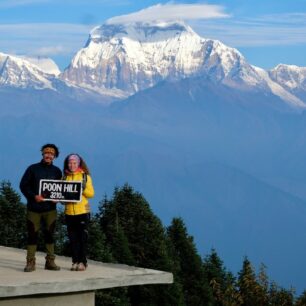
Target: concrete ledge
[[14, 282]]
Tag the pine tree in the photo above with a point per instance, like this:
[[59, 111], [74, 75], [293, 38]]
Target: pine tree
[[130, 213], [214, 268], [280, 296], [189, 272], [111, 297], [231, 296], [301, 300], [250, 289], [116, 238], [61, 240], [12, 216], [137, 237], [97, 246], [222, 282], [263, 285]]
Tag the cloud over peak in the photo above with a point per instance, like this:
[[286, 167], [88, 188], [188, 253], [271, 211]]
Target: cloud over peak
[[172, 11]]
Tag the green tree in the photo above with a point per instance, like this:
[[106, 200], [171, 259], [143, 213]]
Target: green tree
[[111, 297], [222, 282], [115, 233], [280, 296], [301, 300], [251, 290], [97, 247], [189, 271], [12, 216], [263, 285], [137, 237], [61, 239], [231, 296]]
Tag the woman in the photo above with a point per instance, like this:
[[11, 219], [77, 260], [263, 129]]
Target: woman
[[78, 213]]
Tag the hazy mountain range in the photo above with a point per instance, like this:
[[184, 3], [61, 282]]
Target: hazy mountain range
[[185, 120]]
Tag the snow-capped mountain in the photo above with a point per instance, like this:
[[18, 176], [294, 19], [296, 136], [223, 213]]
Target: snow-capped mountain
[[45, 64], [120, 60], [123, 59], [292, 78], [133, 57], [34, 75], [278, 89], [20, 73], [289, 76]]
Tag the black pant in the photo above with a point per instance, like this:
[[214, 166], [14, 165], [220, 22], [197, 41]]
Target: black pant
[[77, 227]]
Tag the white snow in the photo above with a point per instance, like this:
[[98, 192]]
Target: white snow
[[290, 76], [121, 59], [18, 72], [135, 56], [279, 91], [47, 65]]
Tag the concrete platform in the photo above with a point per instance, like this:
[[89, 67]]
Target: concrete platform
[[16, 283]]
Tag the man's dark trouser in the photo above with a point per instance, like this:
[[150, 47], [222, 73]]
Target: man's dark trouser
[[77, 227], [34, 220]]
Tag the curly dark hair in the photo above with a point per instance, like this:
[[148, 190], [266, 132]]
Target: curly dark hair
[[83, 165], [50, 145]]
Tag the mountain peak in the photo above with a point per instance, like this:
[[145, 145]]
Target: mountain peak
[[128, 57], [18, 72], [289, 76], [45, 64], [140, 31], [137, 55]]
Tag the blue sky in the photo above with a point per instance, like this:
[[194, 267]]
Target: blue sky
[[266, 32]]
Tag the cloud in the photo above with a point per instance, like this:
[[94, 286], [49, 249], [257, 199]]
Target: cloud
[[43, 38], [51, 39], [266, 30], [51, 51], [15, 3], [172, 12]]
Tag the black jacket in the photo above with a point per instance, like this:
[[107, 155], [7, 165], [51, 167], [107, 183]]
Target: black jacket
[[29, 185]]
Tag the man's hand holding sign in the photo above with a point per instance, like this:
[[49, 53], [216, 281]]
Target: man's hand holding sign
[[61, 191]]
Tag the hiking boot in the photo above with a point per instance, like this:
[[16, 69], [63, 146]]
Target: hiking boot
[[74, 266], [81, 267], [30, 266], [50, 264]]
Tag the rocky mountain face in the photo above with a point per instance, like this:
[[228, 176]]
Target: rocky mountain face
[[133, 57], [18, 72], [289, 76], [292, 78], [120, 60], [34, 75]]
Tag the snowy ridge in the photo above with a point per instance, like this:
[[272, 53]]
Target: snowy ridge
[[40, 74], [289, 76], [119, 60], [47, 65], [135, 56], [280, 91], [18, 72]]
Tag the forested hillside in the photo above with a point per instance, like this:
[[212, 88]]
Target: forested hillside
[[125, 230]]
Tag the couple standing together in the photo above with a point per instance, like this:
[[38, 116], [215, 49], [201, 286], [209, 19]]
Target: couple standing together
[[43, 212]]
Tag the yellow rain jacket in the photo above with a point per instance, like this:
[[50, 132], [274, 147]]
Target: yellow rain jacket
[[82, 207]]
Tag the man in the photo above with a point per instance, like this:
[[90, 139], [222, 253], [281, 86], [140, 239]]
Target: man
[[38, 209]]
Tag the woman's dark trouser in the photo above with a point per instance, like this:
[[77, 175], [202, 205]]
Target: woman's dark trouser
[[77, 227]]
